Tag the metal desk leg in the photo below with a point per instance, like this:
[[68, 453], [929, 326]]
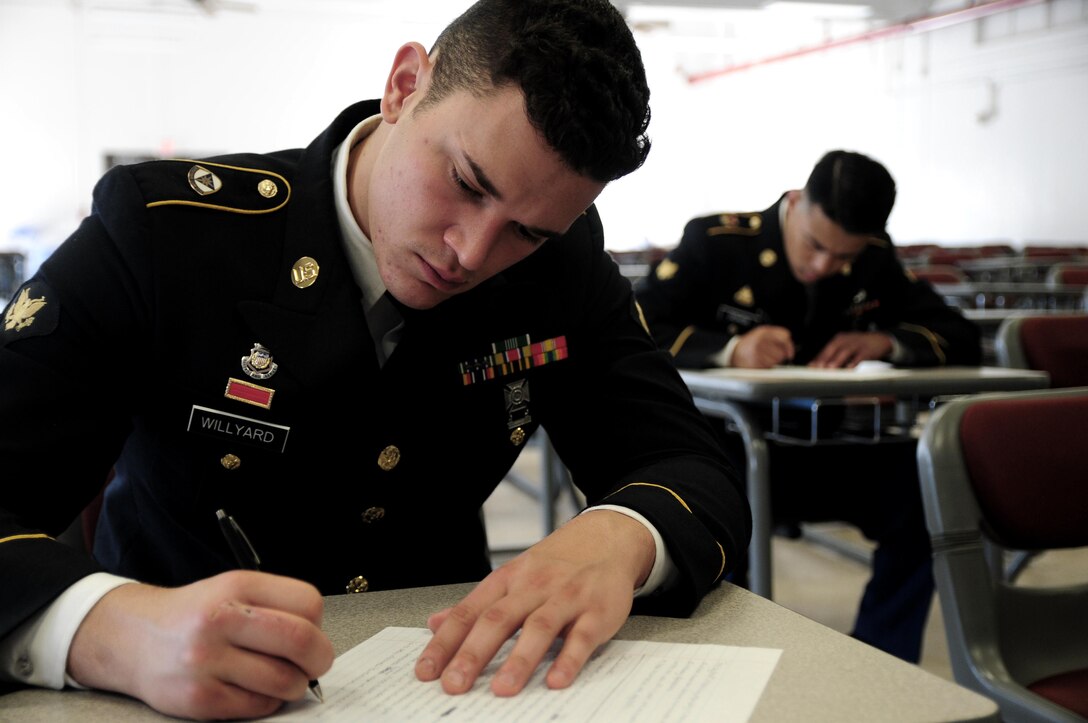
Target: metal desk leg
[[759, 488], [554, 478], [554, 473]]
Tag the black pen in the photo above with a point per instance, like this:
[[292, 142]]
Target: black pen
[[248, 560]]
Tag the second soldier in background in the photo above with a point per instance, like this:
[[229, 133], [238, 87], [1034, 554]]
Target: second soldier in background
[[815, 280]]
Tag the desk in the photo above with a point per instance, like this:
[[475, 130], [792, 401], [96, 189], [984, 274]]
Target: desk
[[1013, 268], [1012, 295], [737, 395], [822, 675]]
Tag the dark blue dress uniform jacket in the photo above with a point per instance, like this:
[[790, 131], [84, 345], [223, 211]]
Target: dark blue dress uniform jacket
[[729, 273], [119, 353]]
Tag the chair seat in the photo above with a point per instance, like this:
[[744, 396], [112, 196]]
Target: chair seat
[[1069, 690]]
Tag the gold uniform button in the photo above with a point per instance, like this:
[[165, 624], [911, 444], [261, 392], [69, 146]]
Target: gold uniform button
[[267, 188], [389, 458], [357, 584], [230, 461], [517, 437], [768, 258], [373, 514], [666, 269]]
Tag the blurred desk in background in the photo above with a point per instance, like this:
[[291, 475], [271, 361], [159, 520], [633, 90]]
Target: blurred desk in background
[[1011, 295], [743, 397]]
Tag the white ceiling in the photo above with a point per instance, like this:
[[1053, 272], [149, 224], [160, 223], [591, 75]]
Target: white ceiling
[[879, 10]]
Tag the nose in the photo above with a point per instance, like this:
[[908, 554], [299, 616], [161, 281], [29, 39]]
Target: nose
[[823, 264], [473, 242]]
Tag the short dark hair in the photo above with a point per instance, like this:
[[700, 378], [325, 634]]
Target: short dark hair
[[575, 62], [855, 191]]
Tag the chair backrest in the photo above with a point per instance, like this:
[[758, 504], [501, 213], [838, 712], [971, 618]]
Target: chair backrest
[[1010, 468], [1054, 343], [940, 274], [1068, 274]]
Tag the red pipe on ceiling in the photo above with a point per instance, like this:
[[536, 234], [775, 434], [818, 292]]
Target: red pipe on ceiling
[[924, 24]]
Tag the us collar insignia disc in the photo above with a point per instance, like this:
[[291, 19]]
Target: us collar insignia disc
[[259, 364], [304, 272], [203, 181]]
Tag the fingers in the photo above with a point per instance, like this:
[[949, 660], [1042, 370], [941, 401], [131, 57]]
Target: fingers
[[459, 667], [575, 585], [461, 648], [278, 592], [233, 646], [764, 347], [536, 638], [290, 649], [848, 349], [540, 630]]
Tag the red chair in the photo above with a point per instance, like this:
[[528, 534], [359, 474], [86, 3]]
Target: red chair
[[1010, 470], [1068, 274], [952, 256], [1032, 251], [1056, 343], [940, 274]]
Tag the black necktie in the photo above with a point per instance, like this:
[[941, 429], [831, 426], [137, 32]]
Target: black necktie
[[386, 325]]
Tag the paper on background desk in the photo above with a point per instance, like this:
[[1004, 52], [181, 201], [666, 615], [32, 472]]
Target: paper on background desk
[[624, 681]]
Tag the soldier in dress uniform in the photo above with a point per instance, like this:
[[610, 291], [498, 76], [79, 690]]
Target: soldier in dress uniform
[[814, 280], [344, 348]]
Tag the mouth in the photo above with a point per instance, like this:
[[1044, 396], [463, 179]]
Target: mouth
[[449, 283]]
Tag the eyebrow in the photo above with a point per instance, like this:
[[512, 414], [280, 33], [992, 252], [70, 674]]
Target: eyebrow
[[838, 257], [489, 187]]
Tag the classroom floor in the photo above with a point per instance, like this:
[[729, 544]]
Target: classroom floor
[[821, 578]]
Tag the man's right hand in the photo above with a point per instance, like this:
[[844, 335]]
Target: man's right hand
[[763, 347], [237, 645]]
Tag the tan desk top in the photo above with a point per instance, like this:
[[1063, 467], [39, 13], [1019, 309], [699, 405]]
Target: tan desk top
[[763, 385], [822, 675]]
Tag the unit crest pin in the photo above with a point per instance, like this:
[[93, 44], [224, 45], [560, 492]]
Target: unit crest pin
[[259, 364]]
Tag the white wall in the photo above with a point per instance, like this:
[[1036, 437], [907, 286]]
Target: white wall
[[913, 101], [980, 123]]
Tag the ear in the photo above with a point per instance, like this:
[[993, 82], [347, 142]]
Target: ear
[[407, 81]]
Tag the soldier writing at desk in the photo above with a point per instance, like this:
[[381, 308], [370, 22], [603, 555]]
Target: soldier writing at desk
[[346, 346], [814, 279]]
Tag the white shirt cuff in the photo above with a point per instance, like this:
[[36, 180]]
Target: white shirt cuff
[[663, 569], [724, 358], [898, 354], [36, 652]]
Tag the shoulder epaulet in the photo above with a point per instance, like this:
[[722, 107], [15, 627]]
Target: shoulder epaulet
[[745, 224], [182, 182]]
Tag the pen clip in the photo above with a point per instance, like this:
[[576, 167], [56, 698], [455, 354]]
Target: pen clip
[[239, 543]]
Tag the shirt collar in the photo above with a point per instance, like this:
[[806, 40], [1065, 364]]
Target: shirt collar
[[359, 250]]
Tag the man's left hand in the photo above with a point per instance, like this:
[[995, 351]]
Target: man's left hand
[[577, 583], [847, 349]]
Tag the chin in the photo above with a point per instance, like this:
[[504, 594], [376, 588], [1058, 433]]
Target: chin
[[420, 300]]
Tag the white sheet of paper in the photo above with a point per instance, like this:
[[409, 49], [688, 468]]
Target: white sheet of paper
[[623, 681]]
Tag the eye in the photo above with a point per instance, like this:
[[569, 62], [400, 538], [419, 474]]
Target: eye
[[534, 238], [462, 184]]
